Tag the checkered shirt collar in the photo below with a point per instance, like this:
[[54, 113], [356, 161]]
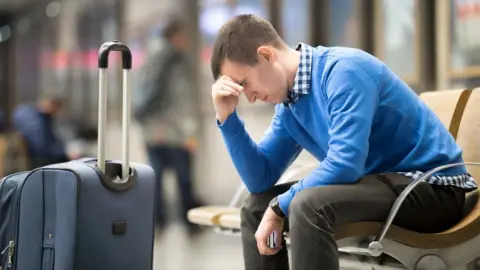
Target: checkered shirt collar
[[301, 84]]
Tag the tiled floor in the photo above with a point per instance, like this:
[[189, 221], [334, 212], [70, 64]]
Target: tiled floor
[[212, 251]]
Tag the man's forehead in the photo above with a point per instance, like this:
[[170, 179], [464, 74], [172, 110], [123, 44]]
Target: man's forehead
[[233, 70]]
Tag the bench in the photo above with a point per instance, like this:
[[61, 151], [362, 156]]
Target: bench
[[452, 249]]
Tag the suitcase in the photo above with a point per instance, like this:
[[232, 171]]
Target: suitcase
[[88, 214]]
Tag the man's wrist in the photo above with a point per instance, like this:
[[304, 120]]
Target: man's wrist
[[284, 202], [222, 117], [275, 206]]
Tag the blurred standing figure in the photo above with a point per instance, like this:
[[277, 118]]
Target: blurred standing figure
[[35, 122], [166, 108]]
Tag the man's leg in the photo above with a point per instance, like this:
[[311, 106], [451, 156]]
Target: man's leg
[[181, 162], [156, 155], [315, 212], [251, 215]]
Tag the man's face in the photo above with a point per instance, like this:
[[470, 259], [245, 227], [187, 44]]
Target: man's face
[[53, 107], [181, 40], [265, 81]]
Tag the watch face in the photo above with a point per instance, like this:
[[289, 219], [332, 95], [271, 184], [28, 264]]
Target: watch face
[[274, 202]]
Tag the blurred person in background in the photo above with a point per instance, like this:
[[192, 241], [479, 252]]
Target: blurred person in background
[[3, 121], [166, 108], [35, 122]]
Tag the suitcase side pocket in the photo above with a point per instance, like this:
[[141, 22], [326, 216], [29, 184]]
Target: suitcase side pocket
[[48, 261]]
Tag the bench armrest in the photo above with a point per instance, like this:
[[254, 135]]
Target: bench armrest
[[375, 247]]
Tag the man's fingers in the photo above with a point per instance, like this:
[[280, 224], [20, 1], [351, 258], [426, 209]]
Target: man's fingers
[[262, 245], [223, 89], [263, 248], [233, 85], [225, 93], [227, 86]]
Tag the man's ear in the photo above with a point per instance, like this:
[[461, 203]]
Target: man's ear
[[266, 53]]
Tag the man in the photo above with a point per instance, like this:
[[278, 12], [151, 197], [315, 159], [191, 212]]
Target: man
[[370, 131], [35, 122], [167, 108]]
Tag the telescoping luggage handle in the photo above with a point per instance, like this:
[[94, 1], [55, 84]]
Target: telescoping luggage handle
[[104, 52]]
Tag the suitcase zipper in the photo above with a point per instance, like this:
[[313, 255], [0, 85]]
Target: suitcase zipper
[[15, 218], [11, 249]]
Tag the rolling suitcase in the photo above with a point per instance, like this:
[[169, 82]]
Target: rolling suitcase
[[88, 214]]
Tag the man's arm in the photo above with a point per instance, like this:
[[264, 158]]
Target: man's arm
[[352, 97], [260, 166]]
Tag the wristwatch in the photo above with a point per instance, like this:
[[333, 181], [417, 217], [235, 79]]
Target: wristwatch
[[276, 207]]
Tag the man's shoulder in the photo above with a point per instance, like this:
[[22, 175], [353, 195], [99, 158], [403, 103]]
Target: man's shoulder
[[330, 56], [24, 110], [329, 61], [25, 114]]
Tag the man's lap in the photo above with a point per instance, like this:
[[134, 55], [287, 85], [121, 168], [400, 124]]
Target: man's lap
[[429, 208]]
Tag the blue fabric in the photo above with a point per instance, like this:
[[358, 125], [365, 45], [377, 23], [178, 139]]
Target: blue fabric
[[38, 130], [358, 118]]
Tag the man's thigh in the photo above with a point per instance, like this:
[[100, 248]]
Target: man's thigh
[[428, 208]]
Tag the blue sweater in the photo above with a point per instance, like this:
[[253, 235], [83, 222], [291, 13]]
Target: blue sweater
[[358, 118]]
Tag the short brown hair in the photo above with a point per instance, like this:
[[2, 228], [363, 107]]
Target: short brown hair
[[238, 40]]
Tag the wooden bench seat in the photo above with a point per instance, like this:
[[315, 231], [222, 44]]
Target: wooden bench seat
[[448, 105], [230, 220], [209, 215]]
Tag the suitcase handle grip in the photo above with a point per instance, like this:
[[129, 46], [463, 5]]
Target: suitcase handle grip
[[114, 45], [104, 51]]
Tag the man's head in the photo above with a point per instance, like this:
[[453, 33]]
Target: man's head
[[51, 104], [249, 50], [176, 33]]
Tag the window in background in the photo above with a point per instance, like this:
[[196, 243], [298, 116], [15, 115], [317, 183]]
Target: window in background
[[465, 38], [398, 37], [344, 23], [295, 21]]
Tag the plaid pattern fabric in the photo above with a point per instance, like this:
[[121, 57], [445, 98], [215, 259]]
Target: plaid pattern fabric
[[301, 85], [464, 181]]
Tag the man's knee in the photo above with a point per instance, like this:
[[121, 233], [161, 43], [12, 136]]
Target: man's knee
[[312, 205], [255, 203]]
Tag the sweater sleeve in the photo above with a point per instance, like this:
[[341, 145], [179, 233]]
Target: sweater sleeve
[[259, 165], [352, 99]]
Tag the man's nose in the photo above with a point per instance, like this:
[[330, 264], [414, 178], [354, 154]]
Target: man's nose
[[251, 96]]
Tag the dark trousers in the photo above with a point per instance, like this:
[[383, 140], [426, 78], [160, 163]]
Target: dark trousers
[[178, 159], [315, 212]]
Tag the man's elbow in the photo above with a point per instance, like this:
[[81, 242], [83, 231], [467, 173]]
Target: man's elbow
[[347, 172], [256, 189], [256, 186]]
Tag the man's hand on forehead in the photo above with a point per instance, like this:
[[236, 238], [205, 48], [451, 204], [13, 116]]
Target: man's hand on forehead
[[240, 82]]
